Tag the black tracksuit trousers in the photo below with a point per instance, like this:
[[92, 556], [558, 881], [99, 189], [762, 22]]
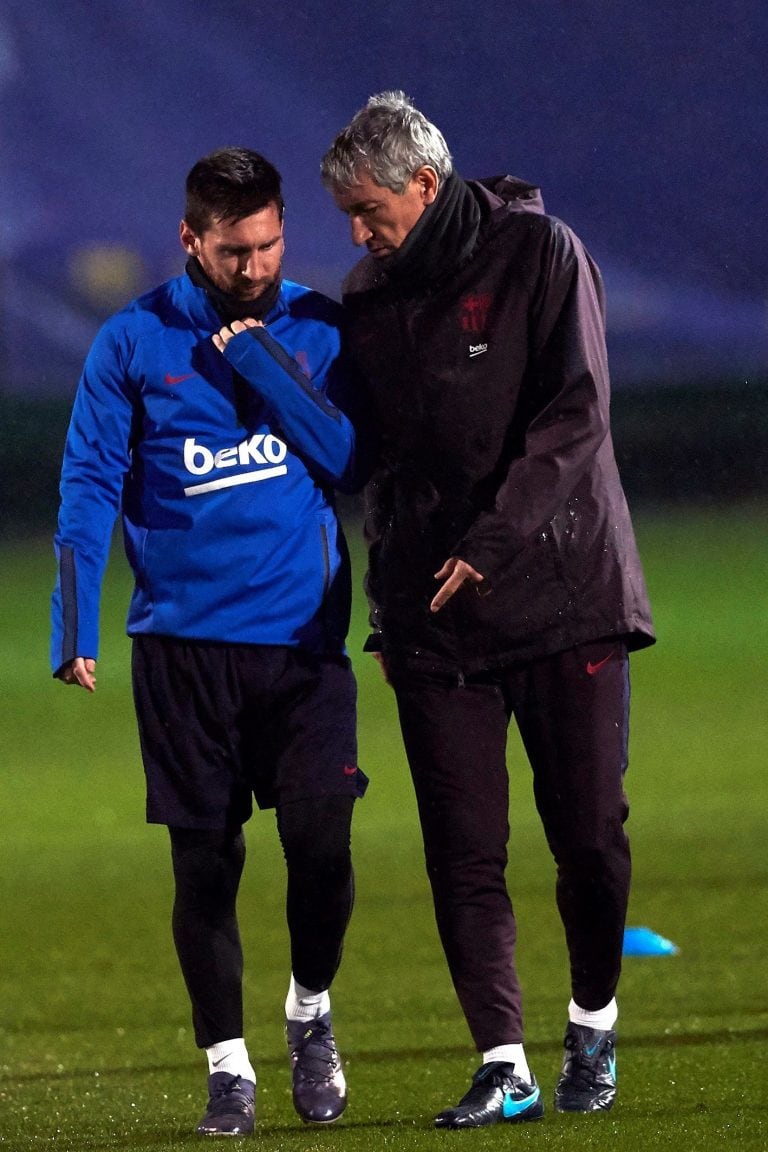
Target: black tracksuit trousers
[[572, 711]]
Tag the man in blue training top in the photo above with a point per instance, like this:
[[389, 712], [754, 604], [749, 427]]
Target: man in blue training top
[[220, 442]]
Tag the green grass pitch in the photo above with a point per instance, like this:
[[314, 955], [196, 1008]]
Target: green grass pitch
[[96, 1050]]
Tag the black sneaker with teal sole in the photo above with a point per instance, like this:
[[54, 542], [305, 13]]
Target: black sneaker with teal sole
[[230, 1110], [496, 1094], [319, 1088], [588, 1080]]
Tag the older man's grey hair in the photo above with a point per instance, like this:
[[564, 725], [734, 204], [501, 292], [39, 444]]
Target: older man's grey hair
[[387, 140]]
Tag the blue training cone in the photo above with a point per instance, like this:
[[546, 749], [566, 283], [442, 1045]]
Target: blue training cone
[[646, 942]]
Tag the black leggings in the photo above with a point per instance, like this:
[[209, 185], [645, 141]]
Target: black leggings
[[207, 866]]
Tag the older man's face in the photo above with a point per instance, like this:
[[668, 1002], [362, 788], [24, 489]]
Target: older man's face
[[380, 218]]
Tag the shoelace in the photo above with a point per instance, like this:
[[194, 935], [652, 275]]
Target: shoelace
[[585, 1067], [478, 1091], [318, 1055], [223, 1091]]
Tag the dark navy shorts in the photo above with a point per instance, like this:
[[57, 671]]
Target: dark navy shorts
[[220, 724]]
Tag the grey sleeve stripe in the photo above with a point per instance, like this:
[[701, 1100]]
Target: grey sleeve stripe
[[289, 365], [68, 584]]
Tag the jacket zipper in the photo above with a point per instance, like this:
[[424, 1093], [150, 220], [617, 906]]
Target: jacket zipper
[[410, 343]]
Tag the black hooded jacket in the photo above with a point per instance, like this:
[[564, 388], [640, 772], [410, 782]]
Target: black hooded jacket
[[488, 381]]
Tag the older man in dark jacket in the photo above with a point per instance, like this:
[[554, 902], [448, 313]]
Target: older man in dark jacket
[[504, 575]]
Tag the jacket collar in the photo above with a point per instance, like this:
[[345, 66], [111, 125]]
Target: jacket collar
[[226, 308]]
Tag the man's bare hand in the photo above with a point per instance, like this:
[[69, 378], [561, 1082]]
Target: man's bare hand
[[454, 572], [225, 334], [82, 671]]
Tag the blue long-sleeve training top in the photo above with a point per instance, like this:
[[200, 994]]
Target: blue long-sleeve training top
[[222, 469]]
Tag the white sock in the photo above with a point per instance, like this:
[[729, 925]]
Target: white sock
[[604, 1018], [303, 1004], [231, 1056], [510, 1054]]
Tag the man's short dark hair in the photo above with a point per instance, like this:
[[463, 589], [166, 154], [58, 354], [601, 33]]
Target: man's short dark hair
[[230, 184]]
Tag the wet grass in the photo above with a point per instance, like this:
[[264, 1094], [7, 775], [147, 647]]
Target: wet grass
[[95, 1045]]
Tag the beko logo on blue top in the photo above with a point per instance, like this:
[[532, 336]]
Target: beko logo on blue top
[[262, 449]]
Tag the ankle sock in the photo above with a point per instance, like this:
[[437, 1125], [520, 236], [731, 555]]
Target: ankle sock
[[303, 1004], [510, 1054], [603, 1019], [230, 1056]]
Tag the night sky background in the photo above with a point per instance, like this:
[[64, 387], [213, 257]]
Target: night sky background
[[645, 125]]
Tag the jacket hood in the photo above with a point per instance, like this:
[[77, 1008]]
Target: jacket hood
[[510, 191]]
